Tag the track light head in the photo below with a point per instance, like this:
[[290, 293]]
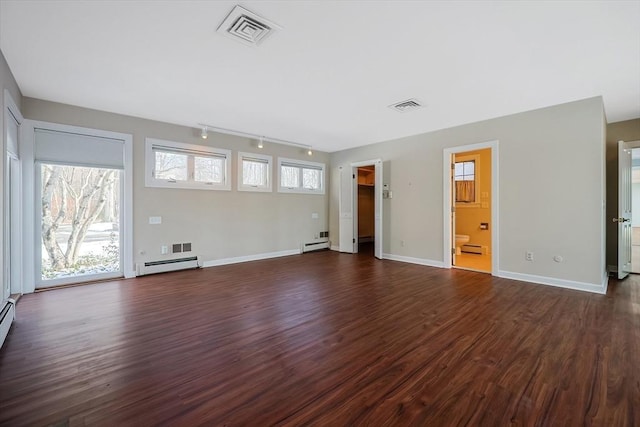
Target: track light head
[[260, 143], [204, 133], [310, 152]]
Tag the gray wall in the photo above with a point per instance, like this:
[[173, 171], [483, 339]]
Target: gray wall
[[9, 83], [220, 224], [628, 130], [551, 189]]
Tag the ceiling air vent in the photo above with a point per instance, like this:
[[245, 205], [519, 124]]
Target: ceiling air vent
[[246, 27], [408, 105]]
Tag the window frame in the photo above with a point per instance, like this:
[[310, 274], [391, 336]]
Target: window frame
[[301, 164], [475, 158], [189, 150], [242, 156]]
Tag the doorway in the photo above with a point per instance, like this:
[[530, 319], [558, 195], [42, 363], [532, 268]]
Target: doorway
[[348, 205], [470, 177], [471, 210], [635, 207], [366, 235], [79, 213], [12, 202]]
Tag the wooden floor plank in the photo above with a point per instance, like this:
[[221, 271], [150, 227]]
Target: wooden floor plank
[[323, 339]]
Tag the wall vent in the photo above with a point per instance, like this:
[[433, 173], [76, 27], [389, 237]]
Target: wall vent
[[246, 27], [408, 105]]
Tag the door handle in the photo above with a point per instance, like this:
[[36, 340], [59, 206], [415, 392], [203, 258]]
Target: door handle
[[621, 220]]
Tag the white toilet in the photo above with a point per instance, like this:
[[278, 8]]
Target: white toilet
[[461, 239]]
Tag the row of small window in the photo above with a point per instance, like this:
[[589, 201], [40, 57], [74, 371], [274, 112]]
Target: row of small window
[[177, 165]]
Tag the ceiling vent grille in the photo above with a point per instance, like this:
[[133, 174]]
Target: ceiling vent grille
[[246, 27], [408, 105]]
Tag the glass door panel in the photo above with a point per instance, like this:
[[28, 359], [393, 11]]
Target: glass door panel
[[79, 224]]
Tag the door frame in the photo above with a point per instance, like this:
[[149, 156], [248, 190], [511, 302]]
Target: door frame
[[29, 194], [625, 145], [377, 201], [447, 241], [13, 266], [348, 207]]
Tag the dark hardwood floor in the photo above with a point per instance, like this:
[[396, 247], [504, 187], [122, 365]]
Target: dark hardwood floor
[[323, 339]]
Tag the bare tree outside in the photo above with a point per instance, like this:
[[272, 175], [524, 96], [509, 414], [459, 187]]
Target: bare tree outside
[[80, 216]]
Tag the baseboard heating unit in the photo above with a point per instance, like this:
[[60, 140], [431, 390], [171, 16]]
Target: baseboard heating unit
[[153, 267], [474, 249], [315, 246], [7, 314]]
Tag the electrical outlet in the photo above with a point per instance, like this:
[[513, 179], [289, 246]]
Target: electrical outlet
[[528, 256], [164, 249]]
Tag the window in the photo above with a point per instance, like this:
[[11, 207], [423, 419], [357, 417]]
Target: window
[[254, 172], [177, 165], [464, 173], [297, 176]]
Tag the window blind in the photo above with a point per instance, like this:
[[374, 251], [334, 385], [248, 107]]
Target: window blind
[[76, 149]]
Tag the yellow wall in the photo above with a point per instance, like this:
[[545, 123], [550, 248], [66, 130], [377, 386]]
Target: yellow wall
[[468, 218]]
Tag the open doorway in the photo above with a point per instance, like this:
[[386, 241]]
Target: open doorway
[[471, 202], [635, 207], [349, 206], [366, 178], [470, 178]]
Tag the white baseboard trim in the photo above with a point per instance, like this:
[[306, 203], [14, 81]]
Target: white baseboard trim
[[411, 260], [246, 258], [130, 274], [335, 248], [552, 281]]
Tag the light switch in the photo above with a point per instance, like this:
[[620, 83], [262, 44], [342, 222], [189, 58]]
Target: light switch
[[314, 216], [155, 220]]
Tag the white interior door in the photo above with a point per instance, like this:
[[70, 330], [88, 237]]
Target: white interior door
[[624, 210], [12, 207], [377, 249], [345, 197]]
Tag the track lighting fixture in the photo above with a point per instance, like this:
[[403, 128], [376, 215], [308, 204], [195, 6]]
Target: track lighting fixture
[[305, 148]]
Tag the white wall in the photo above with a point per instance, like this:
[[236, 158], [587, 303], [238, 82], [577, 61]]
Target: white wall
[[551, 191], [219, 224]]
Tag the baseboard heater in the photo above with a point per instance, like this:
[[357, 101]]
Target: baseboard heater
[[153, 267], [474, 249], [7, 314], [315, 246]]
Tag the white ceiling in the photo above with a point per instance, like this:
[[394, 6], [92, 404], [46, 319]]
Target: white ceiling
[[327, 77]]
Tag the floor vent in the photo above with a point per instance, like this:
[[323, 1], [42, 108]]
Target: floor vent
[[408, 105], [153, 267], [315, 246], [246, 27]]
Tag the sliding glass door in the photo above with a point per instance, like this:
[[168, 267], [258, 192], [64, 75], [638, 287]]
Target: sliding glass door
[[79, 224]]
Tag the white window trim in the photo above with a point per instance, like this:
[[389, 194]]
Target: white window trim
[[266, 188], [301, 163], [149, 164], [476, 175]]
